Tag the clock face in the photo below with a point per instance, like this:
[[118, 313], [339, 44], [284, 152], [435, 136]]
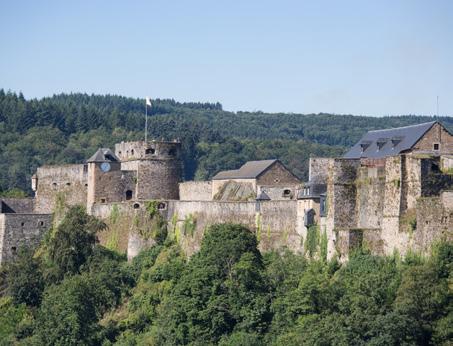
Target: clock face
[[105, 167]]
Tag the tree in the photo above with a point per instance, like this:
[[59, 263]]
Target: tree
[[222, 290], [25, 280], [73, 241]]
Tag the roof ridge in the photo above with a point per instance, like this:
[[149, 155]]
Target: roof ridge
[[404, 127]]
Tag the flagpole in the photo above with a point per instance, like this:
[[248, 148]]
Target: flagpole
[[146, 122]]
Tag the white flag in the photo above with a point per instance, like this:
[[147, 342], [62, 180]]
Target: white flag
[[148, 101]]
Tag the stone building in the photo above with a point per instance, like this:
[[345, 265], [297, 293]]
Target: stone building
[[390, 192], [393, 190]]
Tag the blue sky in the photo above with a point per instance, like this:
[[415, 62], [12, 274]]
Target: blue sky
[[356, 57]]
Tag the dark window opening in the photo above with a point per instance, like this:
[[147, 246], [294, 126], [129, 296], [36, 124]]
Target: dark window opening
[[68, 184], [85, 168], [381, 142], [150, 151], [162, 206], [22, 224], [102, 200], [54, 185], [109, 157], [119, 152], [364, 145], [86, 185], [436, 146], [136, 205], [309, 218], [396, 140], [172, 152], [13, 249], [41, 223], [128, 195], [286, 193], [132, 152], [435, 168]]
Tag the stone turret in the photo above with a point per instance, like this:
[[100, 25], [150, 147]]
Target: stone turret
[[102, 166], [158, 165]]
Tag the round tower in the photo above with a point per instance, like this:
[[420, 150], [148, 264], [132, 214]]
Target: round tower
[[158, 165]]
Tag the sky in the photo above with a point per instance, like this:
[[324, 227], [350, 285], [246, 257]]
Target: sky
[[382, 57]]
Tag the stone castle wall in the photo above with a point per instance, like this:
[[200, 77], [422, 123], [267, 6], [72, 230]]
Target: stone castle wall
[[17, 230], [158, 179], [111, 186], [317, 170], [276, 224], [55, 183], [195, 191], [140, 150]]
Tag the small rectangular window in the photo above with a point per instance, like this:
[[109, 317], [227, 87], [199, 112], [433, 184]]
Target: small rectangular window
[[436, 146]]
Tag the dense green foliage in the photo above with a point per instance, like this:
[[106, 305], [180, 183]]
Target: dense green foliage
[[70, 128], [227, 294]]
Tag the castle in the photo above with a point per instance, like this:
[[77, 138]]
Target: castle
[[392, 191]]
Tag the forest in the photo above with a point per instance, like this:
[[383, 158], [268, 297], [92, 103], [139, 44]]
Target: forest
[[69, 128], [73, 291]]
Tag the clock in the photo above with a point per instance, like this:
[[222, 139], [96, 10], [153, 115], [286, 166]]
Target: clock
[[105, 167]]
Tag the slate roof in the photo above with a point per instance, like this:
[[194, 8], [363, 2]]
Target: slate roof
[[103, 155], [388, 142], [249, 170]]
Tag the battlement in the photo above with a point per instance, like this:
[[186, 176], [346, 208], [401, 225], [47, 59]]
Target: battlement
[[152, 150]]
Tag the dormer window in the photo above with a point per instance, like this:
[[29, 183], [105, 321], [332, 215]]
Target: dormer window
[[396, 140], [364, 145], [381, 142]]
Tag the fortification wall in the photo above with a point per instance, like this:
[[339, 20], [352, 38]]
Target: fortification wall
[[126, 221], [112, 186], [341, 202], [147, 150], [370, 184], [275, 225], [57, 183], [195, 191], [17, 230], [317, 170], [287, 192], [158, 179], [17, 205]]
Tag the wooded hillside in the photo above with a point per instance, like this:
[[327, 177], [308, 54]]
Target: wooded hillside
[[68, 128]]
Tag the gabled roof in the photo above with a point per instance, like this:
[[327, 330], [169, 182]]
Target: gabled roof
[[103, 155], [263, 196], [249, 170], [388, 142]]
